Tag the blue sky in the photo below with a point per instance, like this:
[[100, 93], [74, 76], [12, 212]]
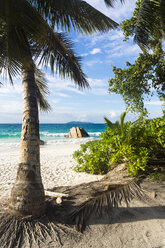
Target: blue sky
[[99, 52]]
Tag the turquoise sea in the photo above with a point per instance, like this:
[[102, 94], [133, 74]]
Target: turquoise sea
[[51, 133]]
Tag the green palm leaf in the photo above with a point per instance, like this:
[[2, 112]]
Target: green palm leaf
[[110, 3], [42, 90], [57, 50], [122, 119], [74, 13], [8, 67], [24, 25], [108, 122], [162, 16], [148, 22]]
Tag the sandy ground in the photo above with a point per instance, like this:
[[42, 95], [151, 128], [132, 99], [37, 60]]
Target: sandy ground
[[141, 225], [56, 167]]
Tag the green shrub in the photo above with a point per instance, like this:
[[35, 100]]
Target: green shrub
[[132, 143], [93, 157]]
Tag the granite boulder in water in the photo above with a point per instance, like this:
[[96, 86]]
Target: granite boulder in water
[[76, 132]]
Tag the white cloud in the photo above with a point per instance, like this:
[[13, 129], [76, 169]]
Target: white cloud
[[64, 116], [84, 54], [112, 101], [11, 106], [123, 49], [58, 86], [10, 90], [95, 51], [93, 62], [7, 88], [116, 34], [160, 103], [99, 91], [99, 87], [97, 82], [61, 94], [113, 114], [111, 45], [54, 101]]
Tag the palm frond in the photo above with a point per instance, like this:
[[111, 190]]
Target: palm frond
[[110, 3], [9, 67], [74, 13], [20, 14], [162, 16], [122, 119], [148, 22], [57, 50], [21, 24], [117, 123], [42, 90], [108, 122], [102, 202], [20, 42]]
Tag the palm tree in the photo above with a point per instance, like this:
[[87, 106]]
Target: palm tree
[[25, 36], [150, 21]]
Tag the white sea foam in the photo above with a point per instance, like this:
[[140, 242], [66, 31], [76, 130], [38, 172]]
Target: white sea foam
[[95, 134], [53, 134], [50, 139], [70, 140]]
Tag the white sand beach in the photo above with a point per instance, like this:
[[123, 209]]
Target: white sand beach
[[142, 225], [56, 167]]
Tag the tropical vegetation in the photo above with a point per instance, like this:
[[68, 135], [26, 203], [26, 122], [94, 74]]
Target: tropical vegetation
[[137, 144], [144, 77]]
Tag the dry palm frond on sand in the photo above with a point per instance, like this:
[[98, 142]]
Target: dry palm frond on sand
[[101, 202]]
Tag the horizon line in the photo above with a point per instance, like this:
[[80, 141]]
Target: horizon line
[[55, 122]]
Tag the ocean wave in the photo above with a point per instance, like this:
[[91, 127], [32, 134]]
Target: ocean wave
[[10, 135], [70, 141], [94, 134], [16, 143], [42, 134], [47, 136]]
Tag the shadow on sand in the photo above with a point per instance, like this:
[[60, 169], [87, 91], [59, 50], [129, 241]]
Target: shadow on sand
[[56, 227]]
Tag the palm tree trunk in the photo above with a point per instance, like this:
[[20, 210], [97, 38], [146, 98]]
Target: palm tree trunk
[[27, 195]]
